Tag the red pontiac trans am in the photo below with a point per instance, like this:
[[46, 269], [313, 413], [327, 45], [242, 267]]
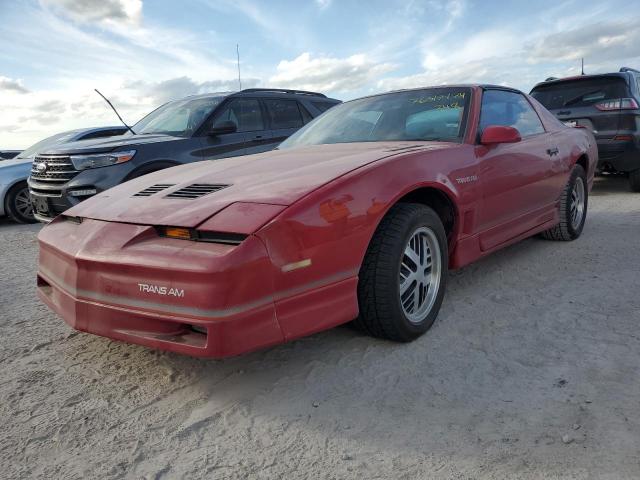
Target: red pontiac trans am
[[359, 215]]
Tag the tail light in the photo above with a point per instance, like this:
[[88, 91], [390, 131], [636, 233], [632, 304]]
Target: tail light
[[618, 104]]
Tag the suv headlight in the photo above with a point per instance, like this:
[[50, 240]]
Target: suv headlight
[[82, 162]]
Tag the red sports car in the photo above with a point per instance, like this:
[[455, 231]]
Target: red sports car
[[359, 216]]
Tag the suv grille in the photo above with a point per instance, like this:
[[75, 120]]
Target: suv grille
[[196, 190], [147, 192], [58, 170]]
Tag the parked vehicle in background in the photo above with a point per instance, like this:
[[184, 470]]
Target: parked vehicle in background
[[608, 105], [8, 154], [14, 191], [360, 214], [200, 127]]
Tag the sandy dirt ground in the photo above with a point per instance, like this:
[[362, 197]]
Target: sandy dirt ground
[[532, 371]]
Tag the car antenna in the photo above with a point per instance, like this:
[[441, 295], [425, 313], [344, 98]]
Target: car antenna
[[114, 109], [238, 58], [582, 65]]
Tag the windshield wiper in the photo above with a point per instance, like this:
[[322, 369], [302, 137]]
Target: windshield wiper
[[573, 100]]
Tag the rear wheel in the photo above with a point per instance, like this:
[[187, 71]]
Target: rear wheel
[[573, 208], [402, 279], [634, 180], [18, 204]]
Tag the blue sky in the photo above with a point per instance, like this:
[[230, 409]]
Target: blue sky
[[141, 53]]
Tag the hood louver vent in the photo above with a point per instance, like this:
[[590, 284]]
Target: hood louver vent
[[196, 190], [147, 192]]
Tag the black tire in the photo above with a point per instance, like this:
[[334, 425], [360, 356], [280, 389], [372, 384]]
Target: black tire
[[381, 311], [566, 230], [14, 204], [634, 180]]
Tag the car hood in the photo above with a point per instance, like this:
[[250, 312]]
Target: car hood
[[109, 144], [279, 177]]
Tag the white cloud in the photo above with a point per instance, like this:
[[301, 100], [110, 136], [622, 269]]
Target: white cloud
[[595, 42], [109, 11], [328, 74], [322, 4], [9, 84]]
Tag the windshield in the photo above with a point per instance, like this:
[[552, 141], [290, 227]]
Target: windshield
[[581, 92], [180, 118], [430, 114]]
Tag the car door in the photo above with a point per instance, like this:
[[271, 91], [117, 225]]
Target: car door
[[285, 118], [517, 191], [247, 114]]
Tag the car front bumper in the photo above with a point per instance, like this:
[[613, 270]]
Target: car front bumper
[[50, 199], [125, 282]]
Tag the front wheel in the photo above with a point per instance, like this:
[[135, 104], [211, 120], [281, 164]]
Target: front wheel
[[403, 276], [18, 204], [573, 208]]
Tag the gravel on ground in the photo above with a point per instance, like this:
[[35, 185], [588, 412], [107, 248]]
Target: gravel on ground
[[531, 371]]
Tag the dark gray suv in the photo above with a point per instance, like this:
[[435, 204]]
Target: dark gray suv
[[607, 104], [200, 127]]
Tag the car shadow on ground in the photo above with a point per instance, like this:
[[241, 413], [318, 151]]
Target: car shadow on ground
[[610, 184]]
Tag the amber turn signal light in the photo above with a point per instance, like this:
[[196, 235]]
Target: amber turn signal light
[[177, 232]]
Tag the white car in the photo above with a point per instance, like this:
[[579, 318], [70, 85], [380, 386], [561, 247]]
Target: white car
[[14, 192]]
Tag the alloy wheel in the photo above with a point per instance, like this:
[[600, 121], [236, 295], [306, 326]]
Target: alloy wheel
[[420, 273]]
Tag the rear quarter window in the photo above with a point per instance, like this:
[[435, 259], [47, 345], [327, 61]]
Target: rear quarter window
[[323, 106], [580, 92]]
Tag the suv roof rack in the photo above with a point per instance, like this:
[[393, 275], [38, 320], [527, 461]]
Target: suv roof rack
[[283, 90], [628, 69]]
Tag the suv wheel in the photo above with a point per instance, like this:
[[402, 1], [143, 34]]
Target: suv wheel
[[17, 204], [402, 279], [634, 180]]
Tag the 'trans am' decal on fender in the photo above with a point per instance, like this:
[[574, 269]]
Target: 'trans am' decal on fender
[[159, 290]]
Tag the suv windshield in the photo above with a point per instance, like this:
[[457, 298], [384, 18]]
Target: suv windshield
[[430, 114], [581, 92], [180, 118]]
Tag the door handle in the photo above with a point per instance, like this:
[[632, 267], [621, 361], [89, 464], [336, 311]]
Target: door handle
[[552, 151], [257, 137]]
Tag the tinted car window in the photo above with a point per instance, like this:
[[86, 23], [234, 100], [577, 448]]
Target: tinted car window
[[306, 116], [509, 109], [579, 92], [244, 112], [323, 106], [283, 113], [422, 115], [103, 134], [180, 118]]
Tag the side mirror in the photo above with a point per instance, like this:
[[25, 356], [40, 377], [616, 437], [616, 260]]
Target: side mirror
[[494, 134], [224, 127]]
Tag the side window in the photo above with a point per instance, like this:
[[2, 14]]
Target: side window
[[244, 112], [306, 116], [283, 113], [323, 106], [509, 109]]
